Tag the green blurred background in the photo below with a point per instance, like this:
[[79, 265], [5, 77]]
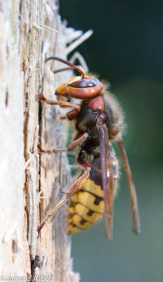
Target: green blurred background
[[127, 50]]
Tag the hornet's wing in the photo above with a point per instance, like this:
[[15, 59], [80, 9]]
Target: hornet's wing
[[107, 178]]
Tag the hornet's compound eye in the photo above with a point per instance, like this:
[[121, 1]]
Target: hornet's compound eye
[[85, 83]]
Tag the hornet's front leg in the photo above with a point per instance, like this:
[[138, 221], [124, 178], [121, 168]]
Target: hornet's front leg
[[62, 104]]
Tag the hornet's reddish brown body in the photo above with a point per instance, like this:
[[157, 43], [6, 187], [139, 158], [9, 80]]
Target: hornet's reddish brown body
[[98, 121]]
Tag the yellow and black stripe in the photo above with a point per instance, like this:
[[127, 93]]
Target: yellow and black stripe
[[86, 207], [87, 204]]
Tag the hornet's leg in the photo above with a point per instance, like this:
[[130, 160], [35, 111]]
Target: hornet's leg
[[71, 147], [63, 104], [69, 193], [134, 203]]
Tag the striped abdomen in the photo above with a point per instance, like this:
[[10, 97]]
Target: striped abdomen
[[87, 204]]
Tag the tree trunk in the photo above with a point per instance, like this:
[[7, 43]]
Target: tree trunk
[[29, 184]]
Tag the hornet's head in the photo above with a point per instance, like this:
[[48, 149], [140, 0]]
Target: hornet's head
[[80, 87]]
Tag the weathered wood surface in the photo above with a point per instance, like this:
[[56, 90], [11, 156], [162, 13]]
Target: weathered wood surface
[[25, 197]]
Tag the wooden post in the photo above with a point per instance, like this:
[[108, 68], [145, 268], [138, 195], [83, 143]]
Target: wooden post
[[30, 184]]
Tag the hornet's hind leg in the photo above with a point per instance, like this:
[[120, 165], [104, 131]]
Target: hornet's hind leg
[[69, 193]]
